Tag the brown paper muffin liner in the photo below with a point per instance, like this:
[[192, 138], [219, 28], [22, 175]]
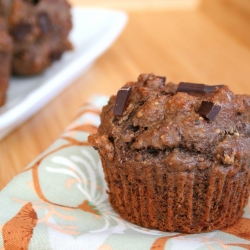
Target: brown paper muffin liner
[[188, 202]]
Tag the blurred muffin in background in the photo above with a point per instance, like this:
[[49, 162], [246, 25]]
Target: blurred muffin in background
[[33, 34], [5, 60]]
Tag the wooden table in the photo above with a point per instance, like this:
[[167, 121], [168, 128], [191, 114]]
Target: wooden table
[[196, 45]]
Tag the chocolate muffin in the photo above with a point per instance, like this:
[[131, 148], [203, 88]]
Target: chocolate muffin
[[5, 60], [39, 29], [176, 157]]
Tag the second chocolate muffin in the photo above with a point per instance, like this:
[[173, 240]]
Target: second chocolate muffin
[[40, 30], [6, 47], [176, 159]]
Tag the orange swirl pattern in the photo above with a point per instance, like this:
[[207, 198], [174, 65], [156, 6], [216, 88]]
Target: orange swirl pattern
[[18, 231]]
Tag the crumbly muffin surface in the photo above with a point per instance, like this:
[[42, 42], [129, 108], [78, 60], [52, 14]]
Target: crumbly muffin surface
[[158, 121], [168, 167]]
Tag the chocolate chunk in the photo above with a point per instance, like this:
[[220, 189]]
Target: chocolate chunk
[[21, 54], [21, 30], [209, 110], [211, 89], [35, 2], [191, 87], [44, 22], [188, 87], [55, 55], [121, 100]]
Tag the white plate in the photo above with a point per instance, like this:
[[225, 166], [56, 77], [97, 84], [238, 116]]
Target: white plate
[[94, 30]]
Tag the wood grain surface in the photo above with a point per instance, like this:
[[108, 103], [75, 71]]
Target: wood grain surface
[[184, 45], [138, 5]]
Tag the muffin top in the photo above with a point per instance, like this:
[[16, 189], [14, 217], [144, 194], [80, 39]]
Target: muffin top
[[176, 126]]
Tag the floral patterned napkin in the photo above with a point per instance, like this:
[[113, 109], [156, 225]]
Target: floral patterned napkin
[[59, 202]]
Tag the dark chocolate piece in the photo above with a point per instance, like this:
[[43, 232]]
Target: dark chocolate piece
[[121, 100], [209, 110], [55, 55], [21, 30], [35, 2], [211, 89], [189, 87]]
